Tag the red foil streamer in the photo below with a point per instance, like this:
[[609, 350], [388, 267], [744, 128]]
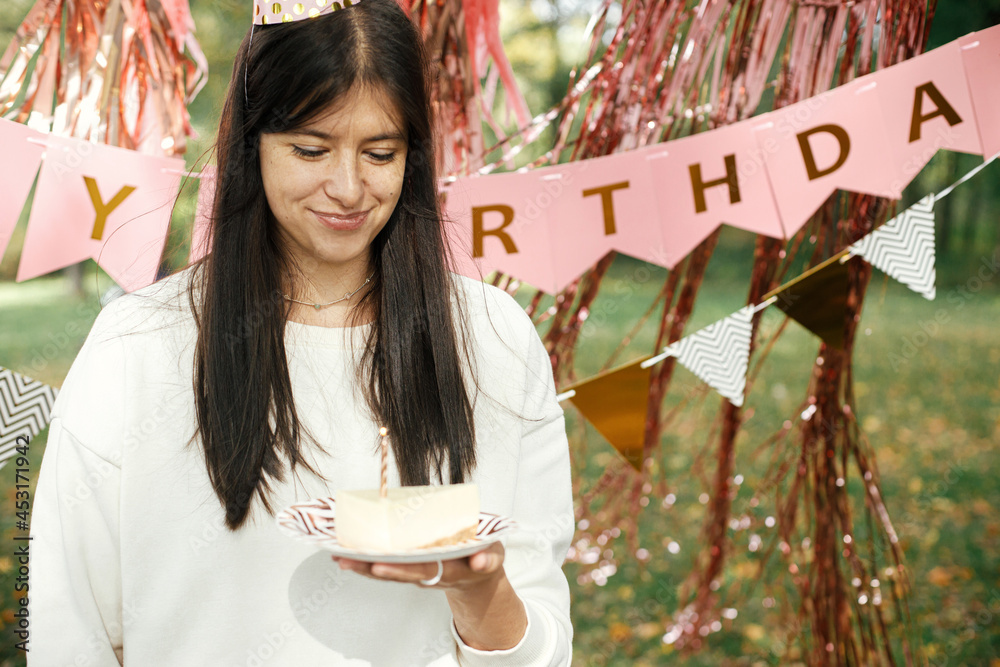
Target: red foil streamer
[[124, 76]]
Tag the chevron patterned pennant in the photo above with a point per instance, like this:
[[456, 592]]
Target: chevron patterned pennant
[[25, 405], [719, 354], [904, 248]]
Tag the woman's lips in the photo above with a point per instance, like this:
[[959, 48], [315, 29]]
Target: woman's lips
[[342, 223]]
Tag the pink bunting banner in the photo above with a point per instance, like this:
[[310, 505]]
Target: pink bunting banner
[[546, 227], [101, 202], [980, 58], [767, 175], [23, 149]]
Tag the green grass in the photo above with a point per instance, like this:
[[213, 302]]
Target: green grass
[[44, 326], [929, 403]]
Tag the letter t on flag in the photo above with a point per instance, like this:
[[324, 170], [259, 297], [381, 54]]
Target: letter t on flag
[[101, 202]]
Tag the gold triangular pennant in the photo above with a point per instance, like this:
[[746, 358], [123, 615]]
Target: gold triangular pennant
[[818, 299], [615, 403]]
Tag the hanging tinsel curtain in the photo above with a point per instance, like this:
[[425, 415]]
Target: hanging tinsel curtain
[[120, 72], [669, 69]]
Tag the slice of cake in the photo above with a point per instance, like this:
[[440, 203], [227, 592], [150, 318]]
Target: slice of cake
[[411, 517]]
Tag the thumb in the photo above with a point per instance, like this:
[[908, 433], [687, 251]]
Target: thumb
[[485, 561], [481, 562]]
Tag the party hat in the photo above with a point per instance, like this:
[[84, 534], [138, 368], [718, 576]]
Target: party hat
[[267, 12]]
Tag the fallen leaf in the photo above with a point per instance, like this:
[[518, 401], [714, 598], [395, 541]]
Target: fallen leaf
[[939, 576], [620, 632], [648, 630]]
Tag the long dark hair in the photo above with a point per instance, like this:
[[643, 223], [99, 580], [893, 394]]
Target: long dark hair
[[411, 371]]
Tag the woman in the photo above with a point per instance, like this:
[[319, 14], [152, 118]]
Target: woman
[[259, 376]]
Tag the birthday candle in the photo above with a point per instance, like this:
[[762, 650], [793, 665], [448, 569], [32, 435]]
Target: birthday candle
[[383, 487]]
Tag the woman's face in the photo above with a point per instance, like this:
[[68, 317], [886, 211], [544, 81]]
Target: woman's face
[[333, 184]]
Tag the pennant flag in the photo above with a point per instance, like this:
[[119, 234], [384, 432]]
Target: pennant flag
[[17, 173], [101, 202], [817, 299], [926, 108], [25, 405], [501, 223], [606, 203], [615, 403], [837, 147], [708, 179], [904, 248], [981, 57], [719, 354]]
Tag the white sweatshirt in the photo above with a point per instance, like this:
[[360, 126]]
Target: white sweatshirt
[[131, 562]]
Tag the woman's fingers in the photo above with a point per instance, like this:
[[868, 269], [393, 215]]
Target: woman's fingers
[[456, 573], [487, 561]]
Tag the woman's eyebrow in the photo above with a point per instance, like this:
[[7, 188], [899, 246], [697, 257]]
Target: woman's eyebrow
[[385, 136]]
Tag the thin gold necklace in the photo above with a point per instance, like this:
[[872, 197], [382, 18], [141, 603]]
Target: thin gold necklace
[[347, 296]]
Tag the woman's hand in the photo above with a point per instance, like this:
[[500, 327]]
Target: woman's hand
[[488, 614], [459, 573]]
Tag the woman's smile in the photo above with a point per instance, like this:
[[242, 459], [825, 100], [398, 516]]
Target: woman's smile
[[341, 222]]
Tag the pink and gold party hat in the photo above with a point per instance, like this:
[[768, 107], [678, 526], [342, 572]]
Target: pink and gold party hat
[[268, 12]]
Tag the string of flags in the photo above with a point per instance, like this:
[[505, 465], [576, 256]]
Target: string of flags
[[546, 238], [614, 402], [546, 226], [25, 406]]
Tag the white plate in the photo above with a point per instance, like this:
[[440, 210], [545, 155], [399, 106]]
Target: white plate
[[313, 521]]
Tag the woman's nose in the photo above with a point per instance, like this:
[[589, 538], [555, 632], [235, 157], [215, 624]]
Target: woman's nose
[[344, 182]]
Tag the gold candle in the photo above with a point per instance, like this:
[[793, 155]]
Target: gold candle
[[383, 487]]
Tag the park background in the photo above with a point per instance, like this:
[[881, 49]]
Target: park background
[[928, 388]]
